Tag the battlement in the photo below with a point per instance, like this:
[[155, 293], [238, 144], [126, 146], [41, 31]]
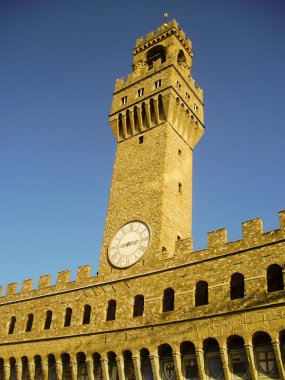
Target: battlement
[[153, 37], [252, 237], [165, 44]]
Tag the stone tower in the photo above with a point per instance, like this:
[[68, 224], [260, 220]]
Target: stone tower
[[157, 119]]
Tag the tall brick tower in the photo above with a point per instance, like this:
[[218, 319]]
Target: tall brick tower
[[157, 119]]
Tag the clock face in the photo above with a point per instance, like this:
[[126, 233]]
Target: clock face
[[129, 244]]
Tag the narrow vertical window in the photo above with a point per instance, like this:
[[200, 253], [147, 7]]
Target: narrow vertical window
[[140, 92], [86, 315], [140, 139], [67, 319], [168, 300], [178, 85], [138, 306], [12, 325], [124, 100], [180, 188], [187, 96], [30, 322], [201, 293], [48, 320], [111, 310], [157, 83]]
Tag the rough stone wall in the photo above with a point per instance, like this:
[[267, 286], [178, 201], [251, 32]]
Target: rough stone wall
[[222, 317]]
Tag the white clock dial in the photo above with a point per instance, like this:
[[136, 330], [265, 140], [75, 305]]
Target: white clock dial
[[129, 244]]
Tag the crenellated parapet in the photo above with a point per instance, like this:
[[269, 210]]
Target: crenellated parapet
[[160, 34], [44, 286], [161, 79], [218, 245], [253, 237]]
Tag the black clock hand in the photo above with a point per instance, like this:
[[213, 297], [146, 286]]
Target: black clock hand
[[129, 243]]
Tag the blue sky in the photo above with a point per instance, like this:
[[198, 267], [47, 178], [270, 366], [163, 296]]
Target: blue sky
[[59, 62]]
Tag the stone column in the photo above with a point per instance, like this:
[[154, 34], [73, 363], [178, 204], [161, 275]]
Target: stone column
[[74, 368], [121, 367], [131, 114], [105, 368], [177, 365], [225, 362], [251, 363], [59, 370], [137, 365], [124, 122], [156, 110], [277, 352], [154, 361], [200, 362], [141, 126], [148, 114], [44, 368], [30, 367], [7, 371], [90, 367], [19, 370]]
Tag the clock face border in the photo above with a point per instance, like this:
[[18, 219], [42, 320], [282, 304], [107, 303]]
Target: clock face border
[[134, 243]]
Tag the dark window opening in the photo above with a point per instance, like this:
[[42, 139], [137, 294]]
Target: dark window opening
[[138, 306], [140, 92], [157, 83], [181, 57], [124, 99], [237, 286], [30, 323], [120, 126], [201, 293], [161, 108], [68, 314], [86, 315], [12, 325], [168, 300], [48, 320], [111, 310], [140, 139], [274, 278], [180, 187]]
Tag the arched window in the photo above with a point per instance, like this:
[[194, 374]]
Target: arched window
[[111, 310], [168, 300], [181, 57], [48, 320], [138, 305], [157, 52], [12, 325], [30, 322], [264, 355], [201, 293], [67, 319], [274, 278], [86, 315], [237, 286], [237, 356]]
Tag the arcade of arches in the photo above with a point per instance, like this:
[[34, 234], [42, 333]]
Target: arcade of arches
[[261, 357]]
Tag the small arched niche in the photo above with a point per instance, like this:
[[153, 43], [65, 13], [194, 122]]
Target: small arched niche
[[181, 57]]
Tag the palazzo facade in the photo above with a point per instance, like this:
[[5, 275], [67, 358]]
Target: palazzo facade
[[157, 310]]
